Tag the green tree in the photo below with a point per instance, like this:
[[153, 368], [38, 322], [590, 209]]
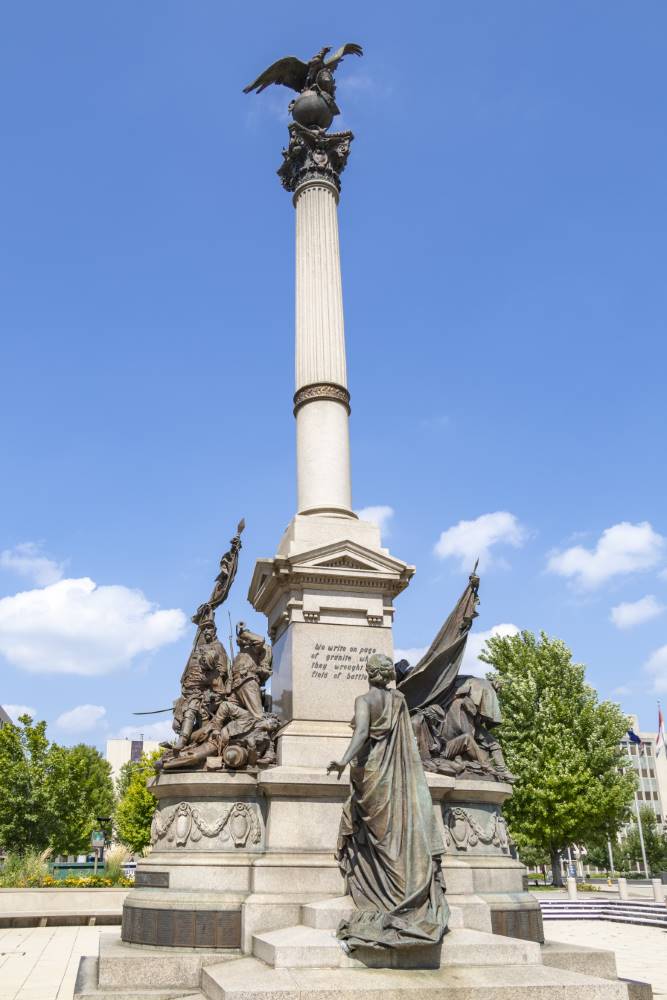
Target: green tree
[[81, 789], [25, 802], [125, 776], [562, 745], [135, 809], [655, 843], [50, 795]]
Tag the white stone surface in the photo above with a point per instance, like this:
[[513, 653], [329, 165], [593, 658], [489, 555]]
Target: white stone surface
[[319, 670], [323, 446], [40, 963], [304, 946], [251, 979], [46, 901], [640, 951], [323, 457], [320, 330], [305, 533]]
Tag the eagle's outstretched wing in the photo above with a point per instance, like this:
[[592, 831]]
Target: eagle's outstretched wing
[[349, 49], [290, 72]]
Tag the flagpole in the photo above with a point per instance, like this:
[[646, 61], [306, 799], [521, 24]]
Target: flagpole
[[639, 819]]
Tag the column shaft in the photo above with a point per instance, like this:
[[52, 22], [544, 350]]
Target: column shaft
[[321, 399]]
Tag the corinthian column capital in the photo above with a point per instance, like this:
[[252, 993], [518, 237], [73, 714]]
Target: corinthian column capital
[[314, 155]]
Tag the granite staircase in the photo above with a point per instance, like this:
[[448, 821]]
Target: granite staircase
[[646, 913], [305, 962]]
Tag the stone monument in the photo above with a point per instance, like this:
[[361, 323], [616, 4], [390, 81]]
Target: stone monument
[[242, 895]]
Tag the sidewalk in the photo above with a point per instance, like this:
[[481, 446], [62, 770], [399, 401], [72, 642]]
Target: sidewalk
[[40, 963], [641, 952]]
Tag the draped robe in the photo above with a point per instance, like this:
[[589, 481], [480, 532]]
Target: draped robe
[[389, 847]]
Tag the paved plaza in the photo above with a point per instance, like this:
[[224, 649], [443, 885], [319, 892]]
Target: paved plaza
[[641, 952], [40, 963]]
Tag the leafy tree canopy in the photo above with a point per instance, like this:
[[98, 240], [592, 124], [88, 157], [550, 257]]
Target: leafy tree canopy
[[25, 802], [82, 790], [134, 812], [50, 796], [655, 844], [562, 744]]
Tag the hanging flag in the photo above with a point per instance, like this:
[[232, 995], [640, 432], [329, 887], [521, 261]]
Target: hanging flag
[[660, 738], [632, 736]]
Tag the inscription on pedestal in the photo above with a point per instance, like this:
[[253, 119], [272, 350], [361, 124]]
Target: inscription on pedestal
[[338, 661], [154, 880]]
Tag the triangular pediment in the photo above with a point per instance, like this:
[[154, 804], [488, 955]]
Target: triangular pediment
[[344, 562], [347, 555]]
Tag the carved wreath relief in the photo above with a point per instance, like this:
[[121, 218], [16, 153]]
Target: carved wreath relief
[[463, 831], [185, 825]]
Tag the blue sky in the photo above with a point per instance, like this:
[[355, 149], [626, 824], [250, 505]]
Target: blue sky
[[503, 229]]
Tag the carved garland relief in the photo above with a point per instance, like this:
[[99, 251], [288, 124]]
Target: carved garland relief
[[463, 831], [185, 824]]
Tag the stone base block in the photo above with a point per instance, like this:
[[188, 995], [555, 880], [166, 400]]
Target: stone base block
[[469, 911], [516, 915], [270, 912], [86, 988], [251, 979], [123, 967], [577, 958]]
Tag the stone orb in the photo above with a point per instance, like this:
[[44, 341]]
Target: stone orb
[[311, 110]]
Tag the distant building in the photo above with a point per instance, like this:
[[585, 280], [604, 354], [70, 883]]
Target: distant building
[[119, 752], [4, 718], [651, 771]]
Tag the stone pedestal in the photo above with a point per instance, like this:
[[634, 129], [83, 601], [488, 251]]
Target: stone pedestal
[[328, 597]]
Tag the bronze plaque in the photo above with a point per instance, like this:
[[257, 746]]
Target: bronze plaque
[[183, 935], [228, 929], [152, 880], [205, 921], [164, 923], [182, 928]]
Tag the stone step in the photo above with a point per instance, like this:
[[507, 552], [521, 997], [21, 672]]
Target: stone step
[[326, 914], [251, 979], [87, 987], [469, 911], [300, 947], [303, 947], [580, 958], [465, 911], [645, 914]]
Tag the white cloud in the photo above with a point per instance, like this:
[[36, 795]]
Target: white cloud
[[81, 719], [623, 548], [468, 540], [632, 613], [76, 627], [622, 690], [657, 665], [471, 662], [14, 711], [149, 730], [28, 560], [380, 515]]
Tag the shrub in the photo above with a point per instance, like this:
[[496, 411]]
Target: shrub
[[114, 860], [26, 870]]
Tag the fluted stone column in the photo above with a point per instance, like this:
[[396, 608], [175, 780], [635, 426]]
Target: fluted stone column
[[321, 401], [328, 592]]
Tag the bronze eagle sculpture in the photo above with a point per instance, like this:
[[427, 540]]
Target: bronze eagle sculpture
[[316, 73]]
